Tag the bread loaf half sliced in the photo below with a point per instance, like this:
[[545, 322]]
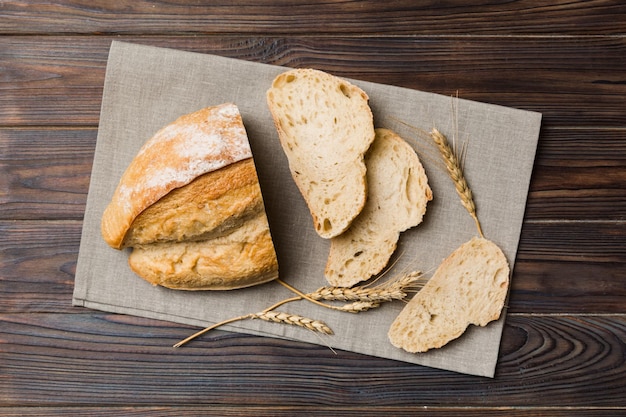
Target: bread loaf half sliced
[[325, 126], [398, 193], [469, 287], [190, 206], [192, 145]]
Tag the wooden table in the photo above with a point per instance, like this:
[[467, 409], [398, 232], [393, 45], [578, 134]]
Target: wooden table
[[564, 345]]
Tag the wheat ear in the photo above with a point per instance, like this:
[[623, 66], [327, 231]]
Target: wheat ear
[[281, 317], [262, 315], [358, 298], [395, 289], [456, 173]]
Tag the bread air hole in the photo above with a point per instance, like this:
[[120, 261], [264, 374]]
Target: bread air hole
[[327, 225], [344, 90]]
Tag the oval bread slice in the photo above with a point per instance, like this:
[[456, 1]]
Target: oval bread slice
[[469, 287], [325, 126], [398, 192]]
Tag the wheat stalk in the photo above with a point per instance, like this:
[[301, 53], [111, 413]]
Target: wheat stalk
[[294, 319], [456, 173], [358, 306], [358, 299], [395, 289], [268, 315]]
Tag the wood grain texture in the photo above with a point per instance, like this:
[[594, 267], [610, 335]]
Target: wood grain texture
[[580, 174], [325, 411], [573, 82], [116, 360], [563, 350], [303, 18], [557, 270], [45, 172]]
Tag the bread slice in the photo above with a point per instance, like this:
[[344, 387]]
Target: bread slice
[[190, 206], [398, 193], [325, 126], [469, 287]]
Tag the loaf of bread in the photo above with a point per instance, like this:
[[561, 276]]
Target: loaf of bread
[[325, 126], [398, 193], [469, 287], [190, 206]]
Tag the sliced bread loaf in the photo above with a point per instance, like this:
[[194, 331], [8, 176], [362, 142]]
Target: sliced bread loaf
[[190, 206], [469, 287], [398, 192], [325, 126]]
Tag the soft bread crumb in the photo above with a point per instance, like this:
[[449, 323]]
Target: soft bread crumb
[[469, 287], [325, 126], [398, 193]]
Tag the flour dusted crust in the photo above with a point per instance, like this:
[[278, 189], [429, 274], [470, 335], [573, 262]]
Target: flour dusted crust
[[192, 145], [207, 207], [190, 206], [469, 287]]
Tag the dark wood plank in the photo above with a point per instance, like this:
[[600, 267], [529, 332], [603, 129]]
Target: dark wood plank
[[45, 172], [559, 268], [324, 411], [37, 265], [574, 82], [568, 286], [112, 360], [580, 174], [304, 18], [584, 242]]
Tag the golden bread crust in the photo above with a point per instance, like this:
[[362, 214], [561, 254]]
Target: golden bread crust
[[207, 207], [190, 206], [192, 145], [240, 259]]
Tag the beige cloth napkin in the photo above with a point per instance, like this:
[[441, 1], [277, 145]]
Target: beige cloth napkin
[[147, 87]]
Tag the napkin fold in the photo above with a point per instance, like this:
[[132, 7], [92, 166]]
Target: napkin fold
[[148, 87]]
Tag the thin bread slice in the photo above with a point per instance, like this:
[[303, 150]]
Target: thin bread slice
[[469, 287], [325, 126], [398, 193]]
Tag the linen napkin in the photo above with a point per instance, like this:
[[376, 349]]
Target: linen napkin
[[148, 87]]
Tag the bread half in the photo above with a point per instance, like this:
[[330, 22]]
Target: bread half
[[190, 206], [469, 287], [398, 193], [325, 126], [192, 145]]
